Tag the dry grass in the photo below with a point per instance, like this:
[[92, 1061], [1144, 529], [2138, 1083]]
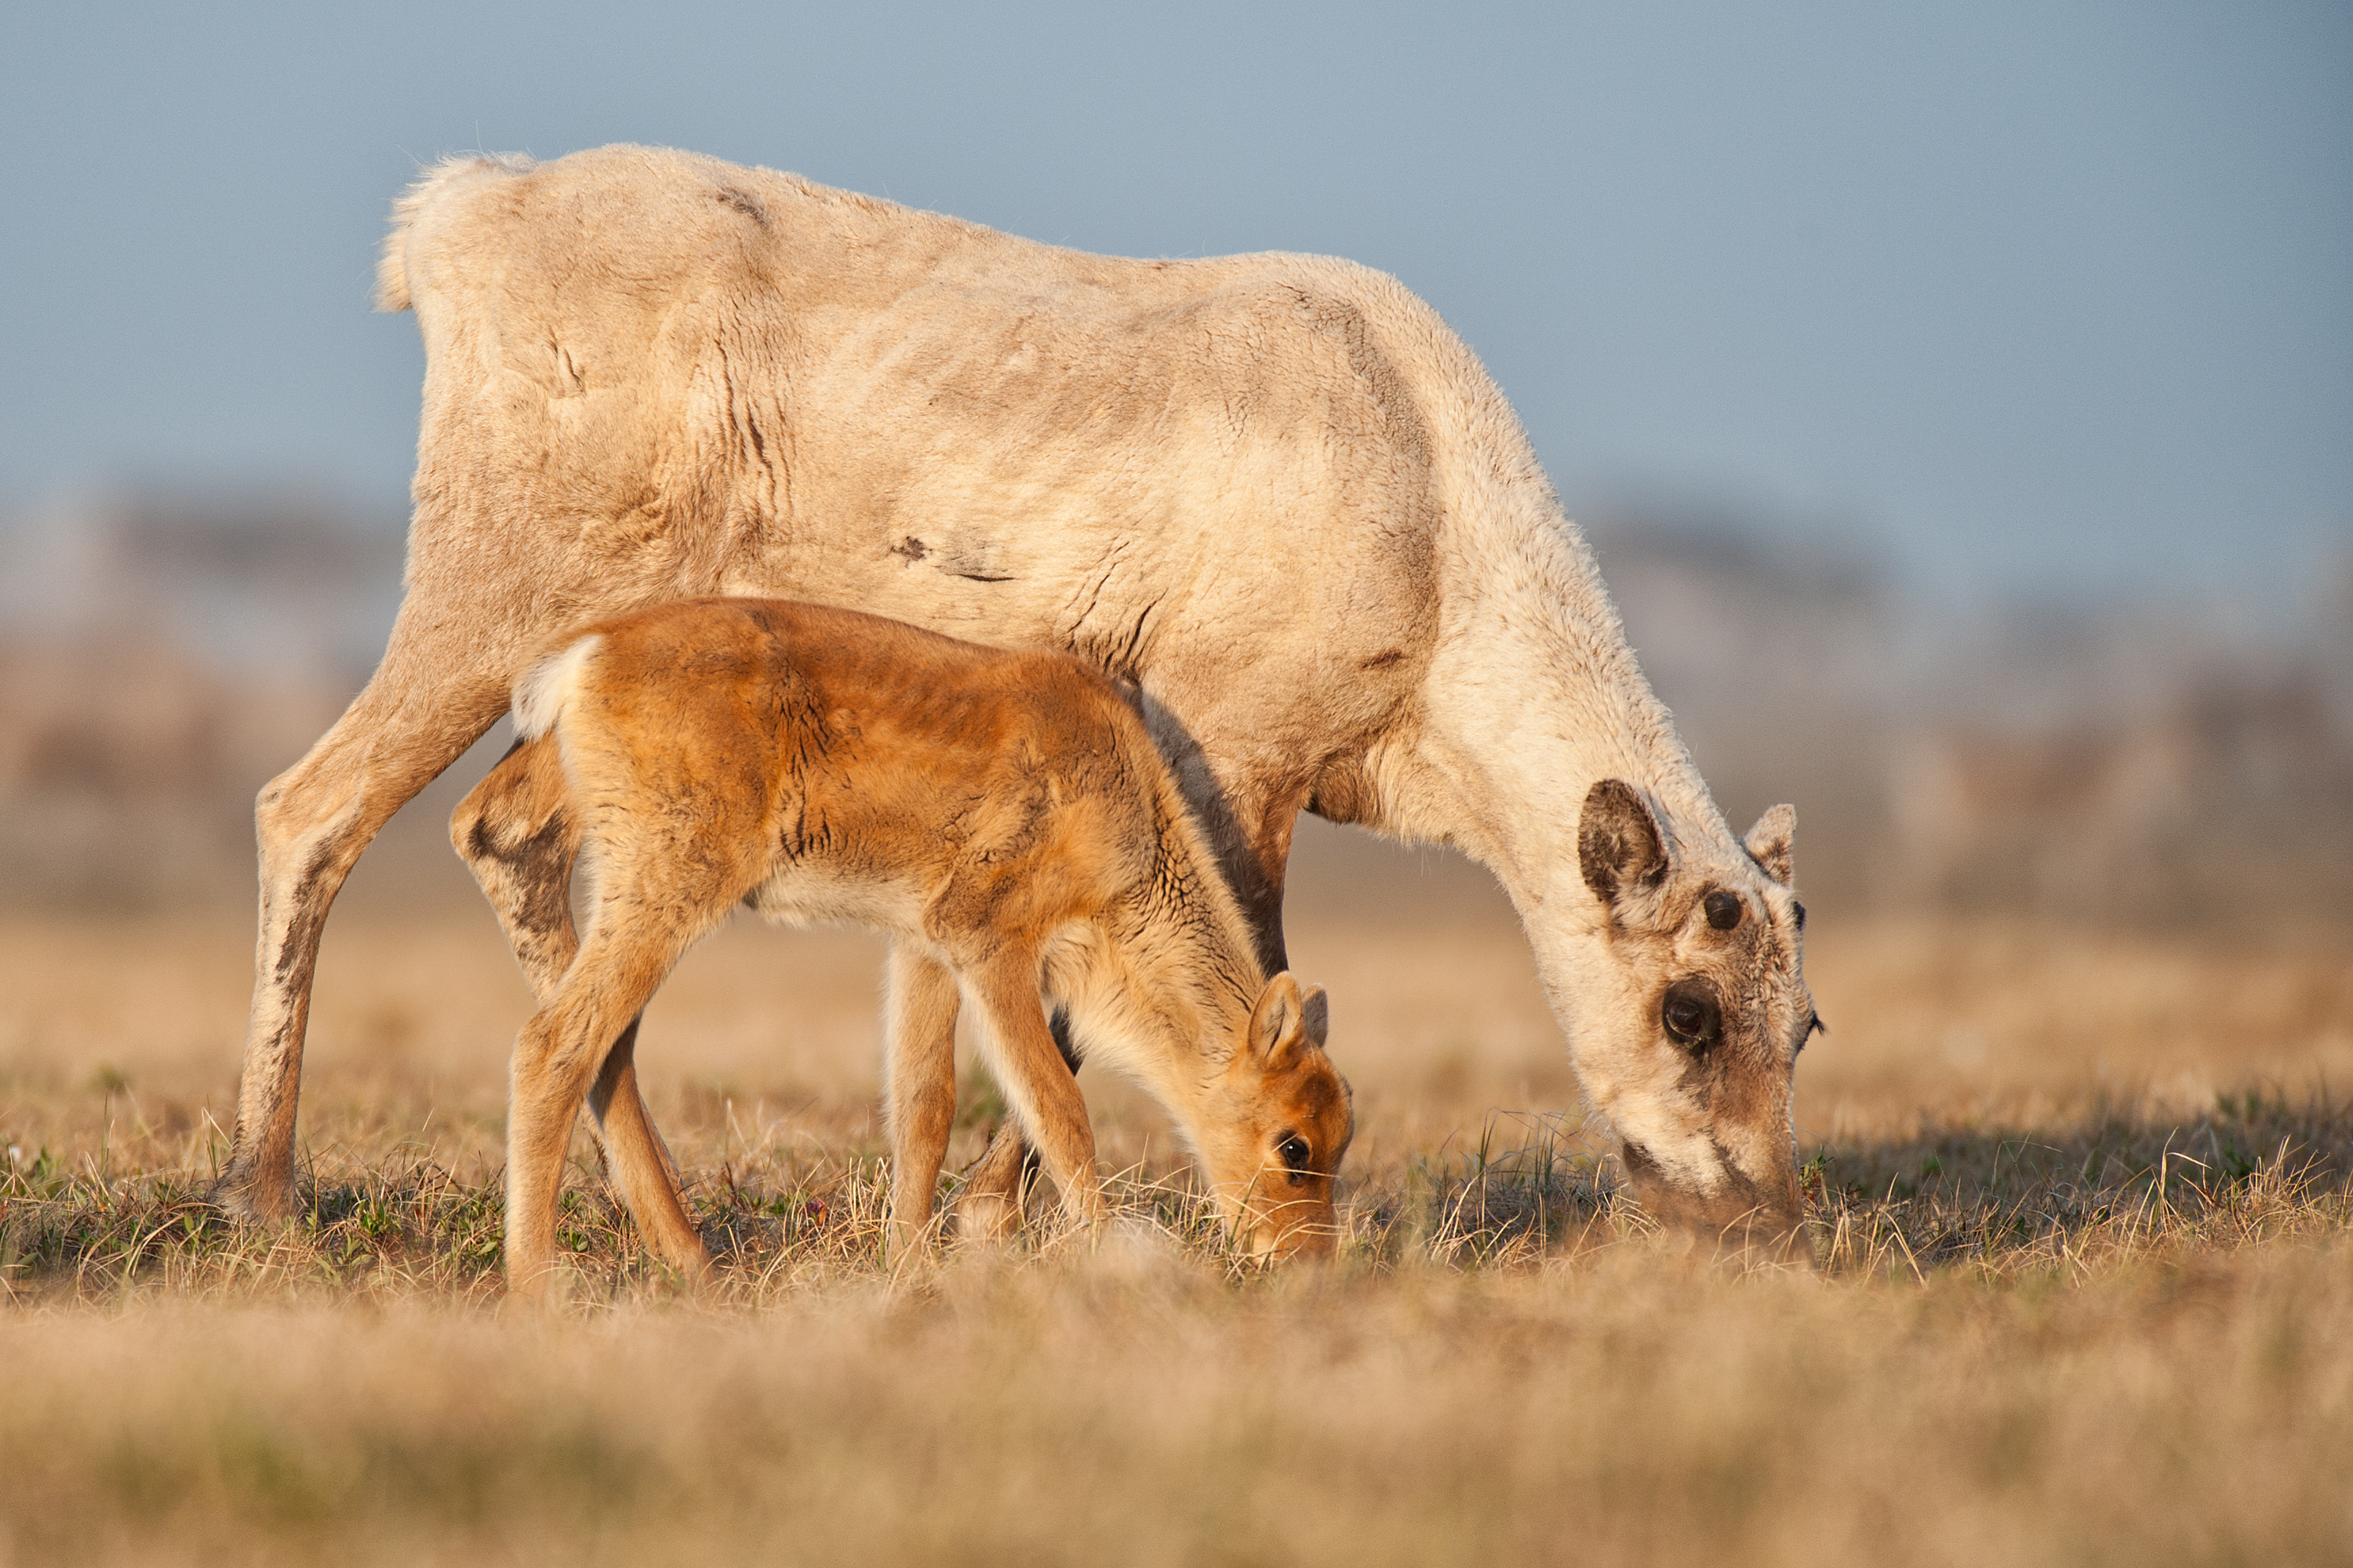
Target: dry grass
[[2087, 1292]]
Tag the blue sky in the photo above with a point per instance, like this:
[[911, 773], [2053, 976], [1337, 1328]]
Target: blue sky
[[2052, 301]]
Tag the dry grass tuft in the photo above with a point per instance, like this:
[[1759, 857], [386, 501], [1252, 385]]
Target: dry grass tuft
[[2061, 1317]]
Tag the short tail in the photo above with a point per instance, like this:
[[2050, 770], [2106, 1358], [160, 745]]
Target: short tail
[[539, 697], [392, 265]]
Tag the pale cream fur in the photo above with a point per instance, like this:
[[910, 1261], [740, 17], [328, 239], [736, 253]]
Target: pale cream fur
[[1274, 490]]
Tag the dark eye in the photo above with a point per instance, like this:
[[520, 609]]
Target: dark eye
[[1294, 1153], [1723, 910], [1691, 1013], [1801, 915]]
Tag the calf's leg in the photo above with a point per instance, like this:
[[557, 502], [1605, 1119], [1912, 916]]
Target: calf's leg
[[516, 835], [558, 1057], [919, 1041], [1035, 1077], [989, 1206]]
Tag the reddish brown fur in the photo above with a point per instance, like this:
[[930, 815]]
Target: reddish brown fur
[[1274, 492], [1005, 816]]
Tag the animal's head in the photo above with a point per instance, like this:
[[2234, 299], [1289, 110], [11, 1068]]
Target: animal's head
[[1275, 1124], [1689, 1037]]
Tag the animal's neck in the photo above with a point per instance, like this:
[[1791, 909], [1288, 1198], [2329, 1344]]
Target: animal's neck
[[1534, 696], [1178, 983]]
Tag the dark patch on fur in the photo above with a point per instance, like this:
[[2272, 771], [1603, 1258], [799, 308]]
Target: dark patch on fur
[[745, 202], [1343, 793], [1383, 661], [1755, 1209], [910, 548], [303, 926], [538, 867], [1125, 661], [1057, 1025], [1618, 842]]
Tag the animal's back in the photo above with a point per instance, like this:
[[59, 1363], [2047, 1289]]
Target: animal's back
[[689, 376], [855, 768]]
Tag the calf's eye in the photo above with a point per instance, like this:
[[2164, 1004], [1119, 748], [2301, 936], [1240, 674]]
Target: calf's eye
[[1723, 910], [1295, 1152]]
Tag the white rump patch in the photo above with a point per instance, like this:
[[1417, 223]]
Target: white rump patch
[[540, 695]]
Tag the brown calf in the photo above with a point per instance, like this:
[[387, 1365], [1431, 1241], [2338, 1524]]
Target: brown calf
[[1004, 816]]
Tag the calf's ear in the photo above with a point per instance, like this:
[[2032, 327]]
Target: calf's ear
[[1619, 846], [1768, 843], [1315, 1012], [1278, 1024]]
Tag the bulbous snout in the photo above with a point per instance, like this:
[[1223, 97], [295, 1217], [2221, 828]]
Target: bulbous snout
[[1744, 1219]]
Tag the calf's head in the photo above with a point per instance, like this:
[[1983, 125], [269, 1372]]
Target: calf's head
[[1689, 1034], [1274, 1127]]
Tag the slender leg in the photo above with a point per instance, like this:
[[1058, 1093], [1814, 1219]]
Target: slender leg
[[557, 1057], [989, 1206], [640, 1164], [517, 838], [920, 1042], [1030, 1068], [429, 700]]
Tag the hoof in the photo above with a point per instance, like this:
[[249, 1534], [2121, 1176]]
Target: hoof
[[985, 1216], [989, 1206], [243, 1195]]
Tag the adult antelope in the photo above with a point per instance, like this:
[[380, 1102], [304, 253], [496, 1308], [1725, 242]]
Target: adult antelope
[[1004, 816], [1274, 492]]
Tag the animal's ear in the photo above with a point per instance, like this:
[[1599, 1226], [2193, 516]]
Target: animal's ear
[[1769, 841], [1315, 1012], [1278, 1024], [1618, 842]]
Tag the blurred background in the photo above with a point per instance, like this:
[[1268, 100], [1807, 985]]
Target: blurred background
[[1960, 402]]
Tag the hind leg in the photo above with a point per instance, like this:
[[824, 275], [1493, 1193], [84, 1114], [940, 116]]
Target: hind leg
[[516, 836], [432, 697], [640, 1164], [657, 896], [556, 1059]]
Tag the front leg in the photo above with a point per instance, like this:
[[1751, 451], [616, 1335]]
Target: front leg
[[989, 1206], [1254, 861], [1036, 1079], [918, 1046]]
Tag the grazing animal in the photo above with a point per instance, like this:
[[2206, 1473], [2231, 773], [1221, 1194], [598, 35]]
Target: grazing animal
[[1273, 491], [1004, 816]]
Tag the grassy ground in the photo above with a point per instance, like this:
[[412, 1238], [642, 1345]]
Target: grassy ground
[[2083, 1201]]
